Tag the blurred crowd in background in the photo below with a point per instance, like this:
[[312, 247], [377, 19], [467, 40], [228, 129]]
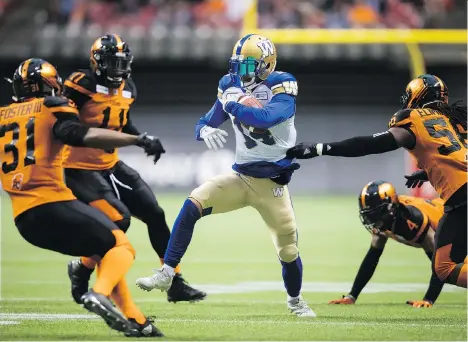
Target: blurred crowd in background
[[354, 13], [272, 13]]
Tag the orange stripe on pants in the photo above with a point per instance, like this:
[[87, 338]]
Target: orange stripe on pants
[[107, 209]]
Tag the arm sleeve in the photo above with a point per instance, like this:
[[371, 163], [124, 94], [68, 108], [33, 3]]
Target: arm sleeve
[[69, 130], [435, 287], [361, 146], [214, 118], [281, 108], [130, 128], [366, 271]]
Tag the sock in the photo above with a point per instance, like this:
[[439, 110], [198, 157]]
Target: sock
[[89, 263], [122, 297], [114, 265], [292, 277], [176, 270], [181, 233]]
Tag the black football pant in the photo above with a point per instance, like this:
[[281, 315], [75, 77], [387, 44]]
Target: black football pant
[[449, 261], [69, 227], [121, 193]]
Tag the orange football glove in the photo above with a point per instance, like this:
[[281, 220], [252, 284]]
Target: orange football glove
[[345, 300], [419, 303]]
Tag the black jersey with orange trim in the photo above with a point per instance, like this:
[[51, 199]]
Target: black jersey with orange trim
[[439, 148], [415, 217], [30, 155], [101, 107]]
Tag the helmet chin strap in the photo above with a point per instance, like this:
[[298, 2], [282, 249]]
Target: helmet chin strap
[[252, 83]]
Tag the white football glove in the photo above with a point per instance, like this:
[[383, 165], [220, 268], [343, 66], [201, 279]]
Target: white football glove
[[231, 94], [213, 137]]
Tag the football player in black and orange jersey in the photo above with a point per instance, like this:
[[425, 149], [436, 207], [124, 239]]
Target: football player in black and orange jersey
[[405, 219], [434, 132], [104, 94], [33, 131]]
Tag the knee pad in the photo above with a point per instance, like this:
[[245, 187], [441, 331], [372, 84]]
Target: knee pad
[[288, 253]]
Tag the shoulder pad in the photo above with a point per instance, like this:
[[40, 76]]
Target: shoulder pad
[[400, 118], [131, 87], [416, 215], [81, 81], [58, 101], [228, 81], [282, 83], [60, 105]]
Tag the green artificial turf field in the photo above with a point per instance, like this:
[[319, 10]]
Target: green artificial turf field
[[233, 259]]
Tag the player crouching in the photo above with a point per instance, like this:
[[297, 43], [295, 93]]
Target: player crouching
[[405, 219]]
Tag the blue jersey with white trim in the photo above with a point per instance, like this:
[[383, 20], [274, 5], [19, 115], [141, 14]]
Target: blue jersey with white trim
[[263, 135]]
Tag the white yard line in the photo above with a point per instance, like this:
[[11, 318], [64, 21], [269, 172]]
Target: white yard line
[[313, 287], [9, 322], [300, 321], [208, 301]]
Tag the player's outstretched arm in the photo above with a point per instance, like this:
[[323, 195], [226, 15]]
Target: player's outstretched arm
[[353, 147], [435, 285], [71, 132], [398, 135], [366, 270], [206, 128]]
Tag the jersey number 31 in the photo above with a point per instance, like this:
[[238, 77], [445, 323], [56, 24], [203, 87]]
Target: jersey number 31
[[12, 148]]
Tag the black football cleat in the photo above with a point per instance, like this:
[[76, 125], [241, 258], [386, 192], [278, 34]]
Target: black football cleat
[[102, 306], [79, 276], [181, 291], [143, 330]]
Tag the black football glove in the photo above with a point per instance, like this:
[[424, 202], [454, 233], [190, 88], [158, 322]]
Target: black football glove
[[303, 151], [151, 145], [417, 179]]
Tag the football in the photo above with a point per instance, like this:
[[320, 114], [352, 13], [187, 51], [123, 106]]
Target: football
[[250, 101]]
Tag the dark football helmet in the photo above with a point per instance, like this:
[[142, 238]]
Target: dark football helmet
[[111, 60], [36, 77], [378, 204], [424, 90]]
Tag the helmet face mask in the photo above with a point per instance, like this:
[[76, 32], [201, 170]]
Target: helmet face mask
[[378, 204], [111, 60], [244, 68], [378, 219], [253, 59]]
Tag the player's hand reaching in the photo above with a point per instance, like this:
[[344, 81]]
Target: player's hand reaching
[[417, 179], [347, 300], [151, 145], [214, 137], [420, 303], [303, 151]]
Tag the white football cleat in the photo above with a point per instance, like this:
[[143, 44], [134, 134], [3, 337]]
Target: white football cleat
[[299, 307], [161, 280]]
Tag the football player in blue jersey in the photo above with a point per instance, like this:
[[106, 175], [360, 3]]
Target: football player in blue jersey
[[261, 170]]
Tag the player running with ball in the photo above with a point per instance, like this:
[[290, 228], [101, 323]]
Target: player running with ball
[[264, 131]]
